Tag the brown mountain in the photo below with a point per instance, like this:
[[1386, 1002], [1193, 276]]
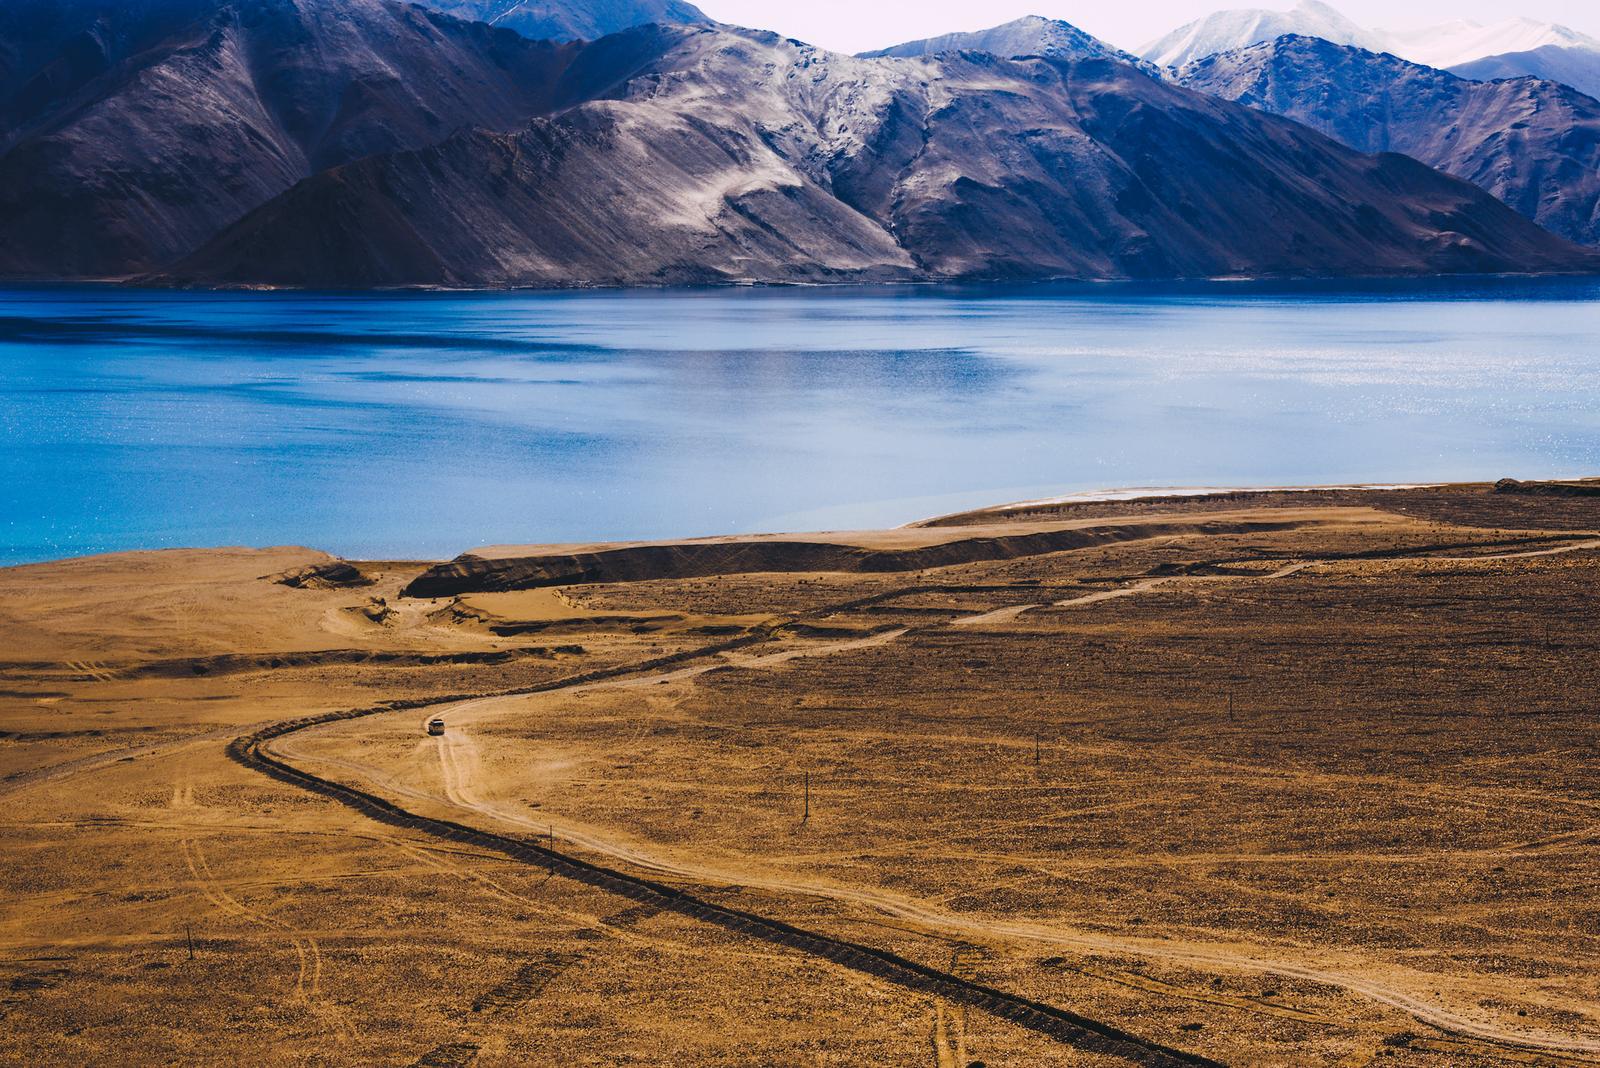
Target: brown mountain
[[1534, 144], [134, 137], [725, 155]]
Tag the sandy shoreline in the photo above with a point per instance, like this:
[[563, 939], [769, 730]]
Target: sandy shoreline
[[914, 533]]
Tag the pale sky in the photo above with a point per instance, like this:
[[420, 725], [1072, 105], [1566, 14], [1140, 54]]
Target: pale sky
[[861, 25]]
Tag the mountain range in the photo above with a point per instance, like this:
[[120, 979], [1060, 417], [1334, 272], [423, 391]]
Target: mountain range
[[1449, 45], [716, 155], [1534, 144], [375, 143]]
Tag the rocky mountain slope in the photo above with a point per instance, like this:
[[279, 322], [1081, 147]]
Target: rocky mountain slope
[[570, 20], [169, 142], [721, 155], [51, 48], [1533, 144], [1576, 66], [1030, 36]]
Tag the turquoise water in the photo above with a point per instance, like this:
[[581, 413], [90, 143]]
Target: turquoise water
[[422, 425]]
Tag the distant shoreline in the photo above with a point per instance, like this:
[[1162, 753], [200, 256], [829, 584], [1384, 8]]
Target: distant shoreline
[[1008, 512], [1330, 282]]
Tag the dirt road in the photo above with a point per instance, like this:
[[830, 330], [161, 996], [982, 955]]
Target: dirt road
[[460, 762]]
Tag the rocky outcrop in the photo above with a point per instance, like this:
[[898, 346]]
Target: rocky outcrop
[[330, 575], [1533, 144], [1549, 489]]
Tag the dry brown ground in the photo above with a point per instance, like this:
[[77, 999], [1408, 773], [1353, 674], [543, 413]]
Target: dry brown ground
[[1322, 796]]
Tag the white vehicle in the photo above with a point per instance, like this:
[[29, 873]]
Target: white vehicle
[[435, 728]]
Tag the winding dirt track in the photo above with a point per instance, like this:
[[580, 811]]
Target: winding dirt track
[[459, 759], [255, 751], [265, 750]]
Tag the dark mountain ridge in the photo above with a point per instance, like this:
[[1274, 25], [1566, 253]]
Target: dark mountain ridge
[[144, 160], [1533, 144]]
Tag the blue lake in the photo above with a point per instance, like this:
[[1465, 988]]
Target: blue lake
[[422, 425]]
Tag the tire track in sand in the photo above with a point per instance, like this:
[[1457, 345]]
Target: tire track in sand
[[308, 980]]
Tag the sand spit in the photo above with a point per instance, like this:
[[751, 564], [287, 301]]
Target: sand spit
[[865, 552]]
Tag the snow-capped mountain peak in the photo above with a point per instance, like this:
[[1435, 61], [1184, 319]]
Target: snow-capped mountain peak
[[1029, 36], [1243, 27], [1444, 45], [1463, 41]]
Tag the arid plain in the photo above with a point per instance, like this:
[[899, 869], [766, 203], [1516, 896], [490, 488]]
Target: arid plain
[[1284, 778]]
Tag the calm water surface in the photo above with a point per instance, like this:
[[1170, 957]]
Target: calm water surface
[[422, 425]]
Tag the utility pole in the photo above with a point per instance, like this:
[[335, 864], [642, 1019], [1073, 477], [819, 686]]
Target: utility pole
[[806, 818], [1036, 749], [188, 929]]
